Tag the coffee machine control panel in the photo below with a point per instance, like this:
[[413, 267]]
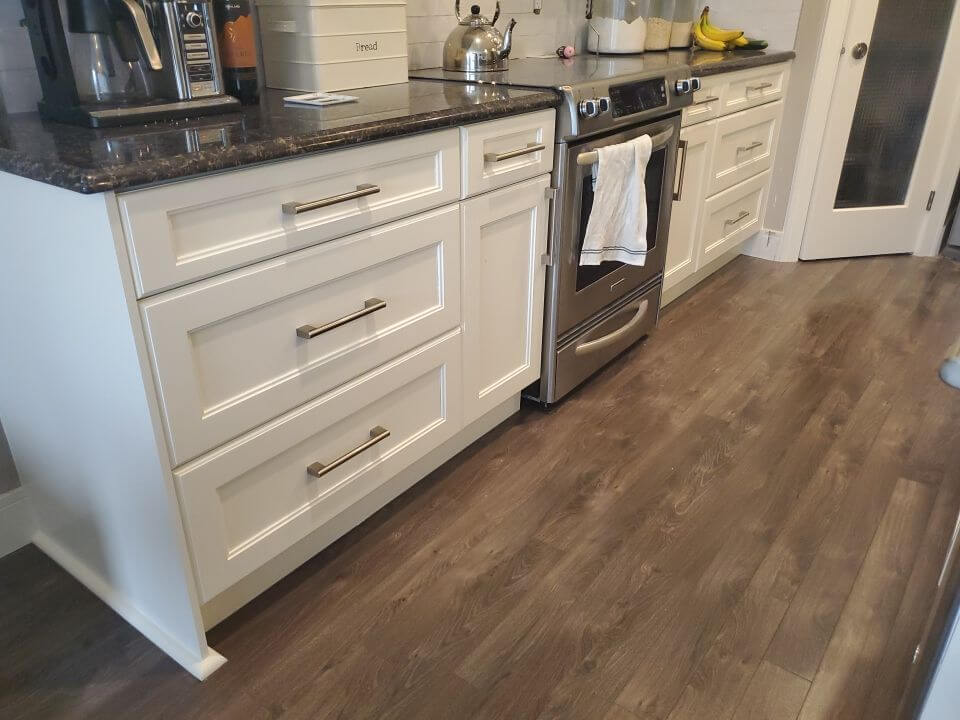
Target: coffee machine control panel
[[198, 51]]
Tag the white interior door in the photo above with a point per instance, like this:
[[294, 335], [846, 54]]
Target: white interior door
[[888, 123]]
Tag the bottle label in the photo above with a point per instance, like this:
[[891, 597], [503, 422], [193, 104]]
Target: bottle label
[[237, 47]]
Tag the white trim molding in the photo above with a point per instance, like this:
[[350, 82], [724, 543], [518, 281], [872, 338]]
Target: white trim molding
[[16, 521], [200, 667]]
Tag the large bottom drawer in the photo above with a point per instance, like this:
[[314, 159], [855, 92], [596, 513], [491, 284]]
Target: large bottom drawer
[[248, 501], [732, 216]]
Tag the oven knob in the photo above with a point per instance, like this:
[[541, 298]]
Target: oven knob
[[683, 87], [194, 19], [694, 84], [603, 105], [589, 108]]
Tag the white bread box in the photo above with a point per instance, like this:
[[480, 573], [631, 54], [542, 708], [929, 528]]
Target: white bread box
[[311, 45]]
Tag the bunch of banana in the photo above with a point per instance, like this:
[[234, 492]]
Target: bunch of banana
[[710, 37]]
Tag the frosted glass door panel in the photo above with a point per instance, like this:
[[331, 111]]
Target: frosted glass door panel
[[902, 65]]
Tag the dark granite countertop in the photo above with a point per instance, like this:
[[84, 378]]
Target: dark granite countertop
[[91, 161], [708, 62]]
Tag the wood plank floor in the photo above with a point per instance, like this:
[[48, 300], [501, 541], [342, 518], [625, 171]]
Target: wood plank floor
[[742, 518]]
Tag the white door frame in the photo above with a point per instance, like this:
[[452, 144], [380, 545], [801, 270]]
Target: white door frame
[[814, 129]]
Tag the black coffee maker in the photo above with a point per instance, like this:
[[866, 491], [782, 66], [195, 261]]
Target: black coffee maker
[[126, 62]]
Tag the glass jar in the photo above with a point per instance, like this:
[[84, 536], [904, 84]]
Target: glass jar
[[685, 14], [659, 24], [617, 26]]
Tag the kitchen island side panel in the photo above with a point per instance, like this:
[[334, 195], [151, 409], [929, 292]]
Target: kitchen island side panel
[[79, 410]]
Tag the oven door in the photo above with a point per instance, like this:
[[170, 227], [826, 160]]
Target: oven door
[[584, 291]]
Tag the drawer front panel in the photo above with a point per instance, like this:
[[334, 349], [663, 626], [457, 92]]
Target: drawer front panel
[[707, 101], [194, 229], [733, 216], [502, 152], [749, 88], [233, 352], [746, 143], [253, 499]]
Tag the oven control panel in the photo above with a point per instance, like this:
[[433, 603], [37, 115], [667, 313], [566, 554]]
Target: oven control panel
[[638, 97]]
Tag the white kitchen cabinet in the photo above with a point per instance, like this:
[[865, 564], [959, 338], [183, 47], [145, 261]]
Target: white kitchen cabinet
[[253, 378], [683, 248], [732, 132], [504, 238]]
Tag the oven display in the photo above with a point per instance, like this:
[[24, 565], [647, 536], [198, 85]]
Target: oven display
[[638, 97]]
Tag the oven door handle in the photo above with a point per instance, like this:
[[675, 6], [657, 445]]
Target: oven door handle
[[658, 141], [585, 348]]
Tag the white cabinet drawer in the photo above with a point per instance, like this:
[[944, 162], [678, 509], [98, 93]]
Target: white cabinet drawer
[[197, 228], [746, 143], [757, 86], [251, 500], [707, 101], [226, 351], [733, 216], [502, 152]]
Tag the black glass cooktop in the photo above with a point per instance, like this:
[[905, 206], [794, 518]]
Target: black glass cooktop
[[556, 73]]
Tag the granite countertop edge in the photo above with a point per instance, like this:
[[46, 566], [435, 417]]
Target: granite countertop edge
[[137, 175], [706, 63]]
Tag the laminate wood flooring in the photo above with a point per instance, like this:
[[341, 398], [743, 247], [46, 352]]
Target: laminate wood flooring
[[744, 517]]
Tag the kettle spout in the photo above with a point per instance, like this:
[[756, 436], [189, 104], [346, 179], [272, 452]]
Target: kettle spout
[[508, 40]]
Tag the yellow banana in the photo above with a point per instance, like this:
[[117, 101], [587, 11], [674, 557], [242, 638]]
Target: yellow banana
[[705, 42], [715, 33], [741, 41]]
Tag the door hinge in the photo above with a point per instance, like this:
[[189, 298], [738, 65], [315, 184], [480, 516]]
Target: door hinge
[[551, 193], [933, 194], [546, 260]]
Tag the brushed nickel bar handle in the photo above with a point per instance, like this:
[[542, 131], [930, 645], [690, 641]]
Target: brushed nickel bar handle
[[761, 86], [377, 434], [706, 100], [499, 157], [743, 214], [370, 306], [683, 145], [658, 141], [295, 208], [751, 146]]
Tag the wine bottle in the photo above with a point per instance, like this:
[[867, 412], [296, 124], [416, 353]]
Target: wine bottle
[[238, 50]]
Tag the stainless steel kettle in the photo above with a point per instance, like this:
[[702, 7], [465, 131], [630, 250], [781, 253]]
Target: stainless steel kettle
[[475, 45]]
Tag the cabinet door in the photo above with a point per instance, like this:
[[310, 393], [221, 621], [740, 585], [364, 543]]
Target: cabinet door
[[682, 250], [504, 237]]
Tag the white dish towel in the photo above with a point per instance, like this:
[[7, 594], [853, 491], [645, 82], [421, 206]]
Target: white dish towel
[[617, 229]]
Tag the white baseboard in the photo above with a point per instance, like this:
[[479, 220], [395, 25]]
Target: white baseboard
[[199, 667], [764, 245], [16, 521]]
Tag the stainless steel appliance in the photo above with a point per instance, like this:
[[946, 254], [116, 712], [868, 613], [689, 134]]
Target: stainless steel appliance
[[121, 62], [594, 313], [475, 44]]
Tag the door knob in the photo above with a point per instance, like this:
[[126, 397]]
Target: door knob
[[859, 51]]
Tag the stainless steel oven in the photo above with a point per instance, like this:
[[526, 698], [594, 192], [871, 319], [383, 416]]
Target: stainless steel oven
[[594, 313], [581, 292]]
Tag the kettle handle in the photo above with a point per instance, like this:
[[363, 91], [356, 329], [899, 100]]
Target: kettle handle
[[496, 13]]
